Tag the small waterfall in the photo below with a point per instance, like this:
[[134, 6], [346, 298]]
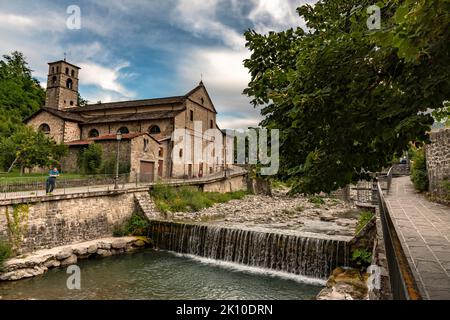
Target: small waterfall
[[312, 257]]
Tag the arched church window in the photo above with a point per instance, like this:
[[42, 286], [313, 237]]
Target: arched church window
[[154, 130], [73, 73], [54, 79], [67, 71], [124, 130], [93, 133], [44, 128], [69, 84]]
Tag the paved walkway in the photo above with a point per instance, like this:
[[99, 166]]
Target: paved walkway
[[424, 229]]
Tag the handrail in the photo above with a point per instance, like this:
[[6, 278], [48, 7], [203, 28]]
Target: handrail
[[403, 283]]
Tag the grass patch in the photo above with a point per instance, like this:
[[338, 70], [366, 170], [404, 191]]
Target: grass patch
[[363, 219], [5, 253], [15, 177], [318, 201], [137, 225], [299, 208], [189, 199]]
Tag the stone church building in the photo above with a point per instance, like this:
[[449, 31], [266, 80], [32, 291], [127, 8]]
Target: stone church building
[[147, 127]]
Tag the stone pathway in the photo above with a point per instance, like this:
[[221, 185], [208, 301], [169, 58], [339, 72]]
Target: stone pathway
[[424, 230]]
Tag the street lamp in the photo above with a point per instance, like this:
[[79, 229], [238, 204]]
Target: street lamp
[[116, 179]]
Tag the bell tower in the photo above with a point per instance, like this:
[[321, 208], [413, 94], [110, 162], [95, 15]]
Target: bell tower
[[62, 85]]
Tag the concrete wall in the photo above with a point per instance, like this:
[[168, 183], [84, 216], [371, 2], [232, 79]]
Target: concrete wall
[[69, 219], [438, 160], [236, 183]]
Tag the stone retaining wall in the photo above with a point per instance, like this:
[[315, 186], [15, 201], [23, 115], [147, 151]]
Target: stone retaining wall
[[39, 262], [52, 223], [438, 160]]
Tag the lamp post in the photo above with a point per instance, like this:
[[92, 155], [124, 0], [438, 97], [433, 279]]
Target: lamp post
[[116, 179]]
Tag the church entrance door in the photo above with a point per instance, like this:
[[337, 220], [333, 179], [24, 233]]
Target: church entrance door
[[147, 171]]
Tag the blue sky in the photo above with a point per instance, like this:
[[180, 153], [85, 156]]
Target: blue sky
[[137, 49]]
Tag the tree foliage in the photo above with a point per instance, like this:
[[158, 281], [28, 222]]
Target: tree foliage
[[347, 99], [28, 148], [90, 159], [20, 94]]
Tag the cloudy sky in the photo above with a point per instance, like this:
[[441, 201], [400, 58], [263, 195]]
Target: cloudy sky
[[137, 49]]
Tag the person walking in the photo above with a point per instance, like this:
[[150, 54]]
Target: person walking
[[51, 181]]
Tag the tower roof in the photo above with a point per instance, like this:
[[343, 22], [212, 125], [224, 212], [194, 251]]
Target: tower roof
[[62, 61]]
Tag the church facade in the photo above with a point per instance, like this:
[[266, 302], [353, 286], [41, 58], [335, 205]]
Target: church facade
[[148, 146]]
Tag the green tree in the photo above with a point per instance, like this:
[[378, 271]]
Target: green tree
[[347, 99], [20, 94], [90, 159], [27, 149]]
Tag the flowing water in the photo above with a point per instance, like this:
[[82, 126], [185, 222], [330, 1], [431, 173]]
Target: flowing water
[[307, 256], [161, 275]]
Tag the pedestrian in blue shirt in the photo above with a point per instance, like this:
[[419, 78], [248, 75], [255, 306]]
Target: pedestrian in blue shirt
[[51, 181]]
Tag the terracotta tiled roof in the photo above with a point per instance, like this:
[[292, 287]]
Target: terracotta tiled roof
[[107, 137]]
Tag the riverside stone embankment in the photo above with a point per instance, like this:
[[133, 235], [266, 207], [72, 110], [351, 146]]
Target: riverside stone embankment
[[39, 262]]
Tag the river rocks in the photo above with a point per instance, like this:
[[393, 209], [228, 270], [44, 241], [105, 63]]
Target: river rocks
[[69, 261], [345, 284], [119, 244], [52, 264], [104, 245], [64, 253], [292, 213], [40, 261], [139, 243], [104, 253], [80, 251], [23, 273], [92, 248]]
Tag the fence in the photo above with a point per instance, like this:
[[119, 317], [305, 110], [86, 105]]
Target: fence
[[36, 186], [366, 191], [403, 284]]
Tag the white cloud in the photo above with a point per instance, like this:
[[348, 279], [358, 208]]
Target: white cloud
[[199, 17], [225, 78], [103, 77], [276, 15]]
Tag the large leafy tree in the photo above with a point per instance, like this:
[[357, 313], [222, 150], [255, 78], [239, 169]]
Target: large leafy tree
[[27, 148], [20, 94], [345, 98]]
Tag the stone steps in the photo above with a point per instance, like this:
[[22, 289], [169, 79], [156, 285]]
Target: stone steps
[[146, 205]]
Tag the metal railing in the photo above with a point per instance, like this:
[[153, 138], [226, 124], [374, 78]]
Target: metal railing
[[36, 186], [403, 284]]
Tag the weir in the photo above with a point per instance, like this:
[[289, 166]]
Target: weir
[[307, 256]]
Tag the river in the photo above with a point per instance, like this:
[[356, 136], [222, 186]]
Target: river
[[164, 275]]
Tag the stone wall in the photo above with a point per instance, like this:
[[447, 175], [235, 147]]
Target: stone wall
[[438, 160], [56, 125], [72, 131], [69, 219]]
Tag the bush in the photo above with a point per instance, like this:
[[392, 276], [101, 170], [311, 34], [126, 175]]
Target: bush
[[362, 258], [419, 175], [137, 225], [109, 166], [189, 199], [316, 200], [90, 159], [363, 219], [5, 253]]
